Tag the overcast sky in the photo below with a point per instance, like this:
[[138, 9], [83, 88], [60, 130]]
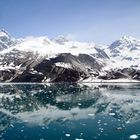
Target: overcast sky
[[100, 21]]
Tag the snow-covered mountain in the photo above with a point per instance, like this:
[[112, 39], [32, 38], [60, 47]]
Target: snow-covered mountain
[[40, 59], [125, 52]]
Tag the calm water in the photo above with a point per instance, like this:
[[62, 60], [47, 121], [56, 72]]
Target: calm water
[[69, 112]]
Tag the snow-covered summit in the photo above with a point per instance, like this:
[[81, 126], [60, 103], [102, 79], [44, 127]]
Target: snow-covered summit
[[126, 41], [60, 39], [130, 39], [3, 33], [125, 52], [6, 41]]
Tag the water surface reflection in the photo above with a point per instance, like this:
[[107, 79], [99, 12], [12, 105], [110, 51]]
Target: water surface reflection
[[69, 111]]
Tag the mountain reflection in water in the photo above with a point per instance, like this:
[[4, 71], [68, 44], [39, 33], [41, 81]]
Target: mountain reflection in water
[[83, 111]]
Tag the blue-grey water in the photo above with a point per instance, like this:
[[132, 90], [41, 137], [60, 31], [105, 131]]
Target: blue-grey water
[[69, 111]]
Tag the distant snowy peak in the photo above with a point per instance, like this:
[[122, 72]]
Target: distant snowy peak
[[4, 33], [60, 39], [6, 40], [125, 52], [130, 39], [125, 41]]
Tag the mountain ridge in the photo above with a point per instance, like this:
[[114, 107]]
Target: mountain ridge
[[40, 59]]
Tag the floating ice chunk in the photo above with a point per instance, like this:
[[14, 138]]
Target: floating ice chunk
[[111, 114], [127, 122], [99, 121], [134, 136], [67, 135], [78, 139], [119, 128], [105, 123], [90, 114], [43, 127], [12, 125]]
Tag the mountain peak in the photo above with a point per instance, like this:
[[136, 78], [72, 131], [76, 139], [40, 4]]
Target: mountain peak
[[60, 39], [4, 33], [128, 38], [125, 41], [6, 40]]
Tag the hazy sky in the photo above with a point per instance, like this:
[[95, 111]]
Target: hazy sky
[[101, 21]]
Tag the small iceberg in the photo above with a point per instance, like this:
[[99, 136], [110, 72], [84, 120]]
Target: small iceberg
[[134, 136]]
